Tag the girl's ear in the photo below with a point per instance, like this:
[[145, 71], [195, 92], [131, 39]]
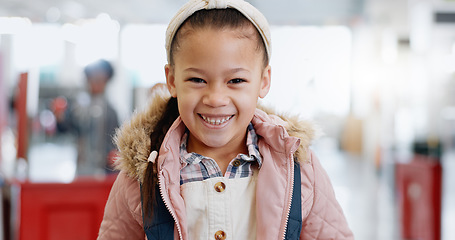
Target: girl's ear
[[265, 81], [170, 79]]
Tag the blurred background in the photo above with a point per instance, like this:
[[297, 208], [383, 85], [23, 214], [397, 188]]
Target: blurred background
[[376, 76]]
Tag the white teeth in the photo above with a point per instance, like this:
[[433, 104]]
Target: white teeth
[[216, 121]]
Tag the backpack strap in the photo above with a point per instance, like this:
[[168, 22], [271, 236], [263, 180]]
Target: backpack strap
[[161, 225], [294, 225]]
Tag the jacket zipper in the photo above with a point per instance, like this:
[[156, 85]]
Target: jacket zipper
[[168, 207], [288, 208]]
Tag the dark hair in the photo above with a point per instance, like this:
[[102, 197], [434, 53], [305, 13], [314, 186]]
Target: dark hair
[[215, 18], [218, 19], [100, 65], [151, 173]]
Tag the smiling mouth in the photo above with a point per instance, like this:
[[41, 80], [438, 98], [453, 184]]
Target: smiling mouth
[[216, 120]]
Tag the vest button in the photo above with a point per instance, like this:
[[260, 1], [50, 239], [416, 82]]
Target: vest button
[[220, 235], [220, 186], [236, 163]]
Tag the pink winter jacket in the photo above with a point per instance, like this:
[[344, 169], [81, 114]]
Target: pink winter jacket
[[323, 217]]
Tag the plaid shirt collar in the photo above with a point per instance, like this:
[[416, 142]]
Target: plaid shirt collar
[[197, 167]]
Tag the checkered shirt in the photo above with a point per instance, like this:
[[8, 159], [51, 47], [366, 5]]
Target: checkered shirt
[[198, 168]]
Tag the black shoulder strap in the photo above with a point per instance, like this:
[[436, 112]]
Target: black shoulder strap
[[161, 225], [294, 226]]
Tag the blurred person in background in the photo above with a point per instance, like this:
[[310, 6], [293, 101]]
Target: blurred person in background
[[92, 118]]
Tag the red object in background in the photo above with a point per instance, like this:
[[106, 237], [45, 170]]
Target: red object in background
[[22, 119], [111, 158], [58, 106], [419, 185], [55, 211]]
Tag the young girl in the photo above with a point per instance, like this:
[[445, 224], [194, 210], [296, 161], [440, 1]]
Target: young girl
[[203, 162]]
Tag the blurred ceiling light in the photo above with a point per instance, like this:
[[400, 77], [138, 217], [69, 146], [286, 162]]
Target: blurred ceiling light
[[14, 25], [84, 28], [71, 32], [73, 9], [103, 17], [94, 38], [53, 14]]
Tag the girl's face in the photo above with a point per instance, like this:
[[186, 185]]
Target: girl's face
[[217, 78]]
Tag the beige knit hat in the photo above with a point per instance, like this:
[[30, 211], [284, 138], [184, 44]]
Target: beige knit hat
[[250, 12]]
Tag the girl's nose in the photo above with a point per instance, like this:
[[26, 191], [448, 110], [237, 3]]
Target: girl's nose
[[216, 97]]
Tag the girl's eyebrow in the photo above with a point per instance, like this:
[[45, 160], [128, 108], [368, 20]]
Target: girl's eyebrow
[[196, 70], [236, 70], [201, 71]]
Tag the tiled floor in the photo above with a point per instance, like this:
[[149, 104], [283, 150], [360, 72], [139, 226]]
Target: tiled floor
[[367, 195]]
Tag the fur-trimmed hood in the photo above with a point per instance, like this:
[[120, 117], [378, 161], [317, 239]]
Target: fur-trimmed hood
[[133, 137]]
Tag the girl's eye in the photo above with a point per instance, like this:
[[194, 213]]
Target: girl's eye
[[237, 80], [196, 80]]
